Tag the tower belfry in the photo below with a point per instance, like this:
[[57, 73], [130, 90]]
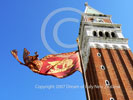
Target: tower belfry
[[106, 57]]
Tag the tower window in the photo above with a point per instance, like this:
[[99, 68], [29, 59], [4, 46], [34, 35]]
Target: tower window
[[102, 67], [113, 34], [107, 34], [99, 54], [107, 83], [94, 33], [112, 98], [101, 34]]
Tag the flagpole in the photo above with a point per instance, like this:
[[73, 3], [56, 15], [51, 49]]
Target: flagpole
[[83, 74]]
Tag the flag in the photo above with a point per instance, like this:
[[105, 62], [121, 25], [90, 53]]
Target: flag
[[58, 65]]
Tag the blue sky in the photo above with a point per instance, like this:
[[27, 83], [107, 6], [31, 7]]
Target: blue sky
[[20, 27]]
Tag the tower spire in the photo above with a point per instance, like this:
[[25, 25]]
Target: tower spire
[[90, 10]]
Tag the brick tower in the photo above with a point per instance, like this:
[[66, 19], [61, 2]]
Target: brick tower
[[106, 58]]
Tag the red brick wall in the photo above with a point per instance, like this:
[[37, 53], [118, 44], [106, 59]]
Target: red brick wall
[[118, 71]]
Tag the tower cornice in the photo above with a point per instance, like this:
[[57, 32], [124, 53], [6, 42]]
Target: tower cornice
[[110, 25], [96, 15]]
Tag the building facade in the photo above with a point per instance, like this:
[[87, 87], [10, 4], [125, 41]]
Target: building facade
[[106, 57]]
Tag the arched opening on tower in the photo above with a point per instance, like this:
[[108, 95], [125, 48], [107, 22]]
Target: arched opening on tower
[[113, 35], [101, 34], [94, 33], [107, 34]]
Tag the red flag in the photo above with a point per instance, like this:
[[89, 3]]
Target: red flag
[[58, 65]]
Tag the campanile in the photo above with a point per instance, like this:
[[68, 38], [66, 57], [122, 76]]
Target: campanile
[[106, 57]]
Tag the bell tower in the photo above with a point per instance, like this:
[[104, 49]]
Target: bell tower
[[106, 57]]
